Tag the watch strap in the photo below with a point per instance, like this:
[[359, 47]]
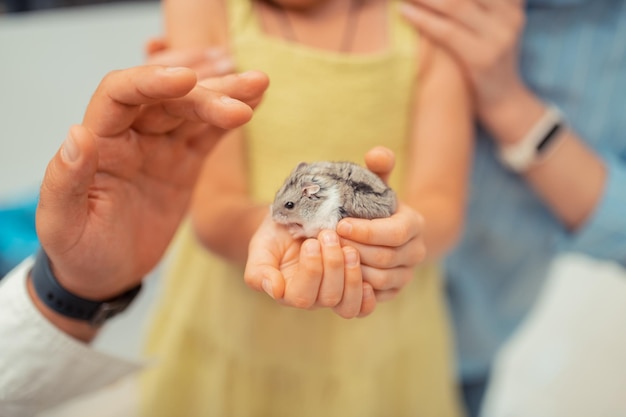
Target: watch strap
[[60, 300], [534, 146]]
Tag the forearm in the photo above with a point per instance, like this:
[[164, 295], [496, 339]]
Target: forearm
[[185, 23], [443, 223], [570, 165], [43, 365], [571, 181], [228, 227]]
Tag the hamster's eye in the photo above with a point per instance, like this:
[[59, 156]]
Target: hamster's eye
[[289, 205]]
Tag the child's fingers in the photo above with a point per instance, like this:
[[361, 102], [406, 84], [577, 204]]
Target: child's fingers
[[301, 290], [350, 305], [392, 231], [380, 161]]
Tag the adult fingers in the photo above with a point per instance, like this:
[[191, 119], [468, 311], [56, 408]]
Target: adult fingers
[[224, 102], [199, 106], [247, 86], [466, 13], [116, 101], [63, 202], [457, 38], [207, 62]]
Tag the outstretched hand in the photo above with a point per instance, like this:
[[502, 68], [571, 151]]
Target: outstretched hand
[[307, 273], [116, 191], [369, 261]]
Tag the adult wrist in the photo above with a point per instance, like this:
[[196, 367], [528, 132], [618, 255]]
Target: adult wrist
[[536, 144], [66, 303], [509, 120]]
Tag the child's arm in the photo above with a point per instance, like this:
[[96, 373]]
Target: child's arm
[[436, 183], [223, 214], [441, 149], [224, 217], [194, 23]]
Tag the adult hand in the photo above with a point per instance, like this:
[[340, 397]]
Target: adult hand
[[307, 273], [390, 248], [483, 35], [116, 191], [207, 62]]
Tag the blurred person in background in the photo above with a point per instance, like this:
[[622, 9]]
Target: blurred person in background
[[549, 176], [346, 76]]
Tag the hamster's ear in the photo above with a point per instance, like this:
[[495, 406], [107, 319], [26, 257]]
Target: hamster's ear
[[310, 189], [300, 166]]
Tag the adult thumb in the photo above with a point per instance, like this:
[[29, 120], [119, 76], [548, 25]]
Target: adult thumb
[[63, 200]]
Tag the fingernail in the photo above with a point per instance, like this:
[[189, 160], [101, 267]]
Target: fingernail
[[368, 292], [351, 259], [344, 228], [247, 73], [229, 100], [223, 66], [213, 53], [175, 69], [69, 150], [267, 287], [311, 247], [329, 238]]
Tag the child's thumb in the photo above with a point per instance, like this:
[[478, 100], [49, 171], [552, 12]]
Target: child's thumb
[[63, 199]]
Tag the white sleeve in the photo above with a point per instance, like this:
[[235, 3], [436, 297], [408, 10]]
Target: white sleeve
[[40, 366]]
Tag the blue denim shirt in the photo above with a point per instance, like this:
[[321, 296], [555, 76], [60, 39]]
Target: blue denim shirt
[[573, 54]]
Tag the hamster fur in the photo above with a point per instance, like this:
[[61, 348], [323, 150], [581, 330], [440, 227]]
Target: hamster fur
[[317, 195]]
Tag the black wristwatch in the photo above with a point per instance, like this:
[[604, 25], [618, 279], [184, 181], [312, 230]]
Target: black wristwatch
[[53, 295]]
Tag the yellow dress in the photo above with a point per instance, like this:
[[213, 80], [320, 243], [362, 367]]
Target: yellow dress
[[222, 349]]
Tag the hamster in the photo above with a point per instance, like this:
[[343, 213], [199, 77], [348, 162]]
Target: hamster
[[317, 195]]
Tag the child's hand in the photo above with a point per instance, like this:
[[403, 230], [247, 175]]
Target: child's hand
[[389, 249], [308, 274]]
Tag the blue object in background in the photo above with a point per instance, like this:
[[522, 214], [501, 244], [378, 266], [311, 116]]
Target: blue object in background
[[18, 237]]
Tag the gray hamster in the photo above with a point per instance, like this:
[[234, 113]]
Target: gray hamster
[[317, 195]]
